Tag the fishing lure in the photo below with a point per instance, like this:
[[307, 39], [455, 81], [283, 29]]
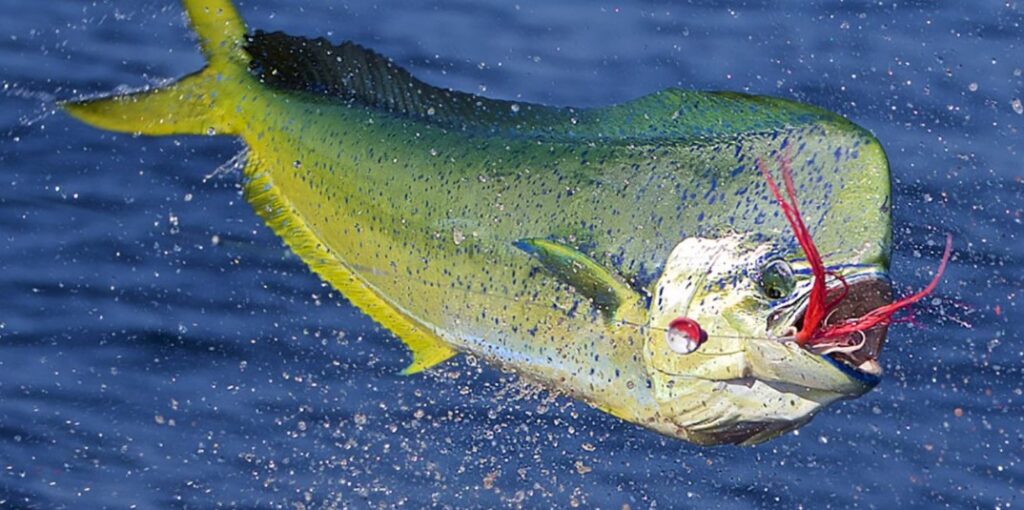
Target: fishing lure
[[815, 332], [685, 335]]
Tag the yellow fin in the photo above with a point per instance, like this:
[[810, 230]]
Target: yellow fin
[[199, 103], [186, 107], [607, 291], [220, 29], [427, 348]]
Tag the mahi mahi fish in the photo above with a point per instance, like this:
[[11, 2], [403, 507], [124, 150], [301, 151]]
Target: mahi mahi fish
[[565, 244]]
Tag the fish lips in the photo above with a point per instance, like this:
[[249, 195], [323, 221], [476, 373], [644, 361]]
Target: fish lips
[[866, 291]]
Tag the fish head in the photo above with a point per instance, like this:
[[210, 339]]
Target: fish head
[[743, 381]]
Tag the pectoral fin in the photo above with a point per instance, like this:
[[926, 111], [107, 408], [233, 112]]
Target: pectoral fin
[[605, 290]]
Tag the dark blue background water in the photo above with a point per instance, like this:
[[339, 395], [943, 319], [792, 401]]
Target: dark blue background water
[[159, 348]]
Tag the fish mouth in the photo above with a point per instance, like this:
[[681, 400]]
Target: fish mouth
[[866, 292]]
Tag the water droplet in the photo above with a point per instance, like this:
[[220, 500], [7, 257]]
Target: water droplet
[[1018, 108], [973, 87], [431, 111], [297, 164], [458, 236], [515, 108], [211, 131], [433, 152]]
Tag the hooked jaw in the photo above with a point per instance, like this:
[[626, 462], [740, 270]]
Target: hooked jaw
[[856, 354]]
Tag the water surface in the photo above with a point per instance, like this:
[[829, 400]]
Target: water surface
[[159, 348]]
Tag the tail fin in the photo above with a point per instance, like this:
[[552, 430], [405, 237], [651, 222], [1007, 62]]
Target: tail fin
[[219, 27], [196, 104]]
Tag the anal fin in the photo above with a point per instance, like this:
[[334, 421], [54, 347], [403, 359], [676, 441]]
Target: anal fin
[[270, 204]]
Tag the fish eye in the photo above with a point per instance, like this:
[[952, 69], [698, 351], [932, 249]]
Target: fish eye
[[776, 280]]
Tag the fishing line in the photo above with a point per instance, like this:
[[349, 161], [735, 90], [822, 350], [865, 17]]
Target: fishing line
[[740, 337], [878, 317]]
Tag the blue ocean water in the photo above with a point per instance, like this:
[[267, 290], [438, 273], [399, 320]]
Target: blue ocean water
[[160, 348]]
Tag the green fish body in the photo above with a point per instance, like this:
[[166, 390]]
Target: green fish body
[[557, 242]]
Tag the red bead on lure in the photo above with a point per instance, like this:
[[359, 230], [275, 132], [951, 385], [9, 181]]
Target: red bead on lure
[[685, 335], [817, 307]]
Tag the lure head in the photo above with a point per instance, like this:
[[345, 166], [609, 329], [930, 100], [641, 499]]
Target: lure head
[[744, 384]]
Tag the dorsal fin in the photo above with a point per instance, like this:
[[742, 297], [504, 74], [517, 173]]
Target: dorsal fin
[[353, 73], [349, 72]]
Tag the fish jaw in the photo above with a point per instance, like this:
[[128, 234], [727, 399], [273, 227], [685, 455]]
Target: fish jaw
[[756, 398], [742, 411], [856, 355]]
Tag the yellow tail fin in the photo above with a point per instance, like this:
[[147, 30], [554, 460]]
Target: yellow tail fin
[[196, 104], [208, 102], [219, 27]]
